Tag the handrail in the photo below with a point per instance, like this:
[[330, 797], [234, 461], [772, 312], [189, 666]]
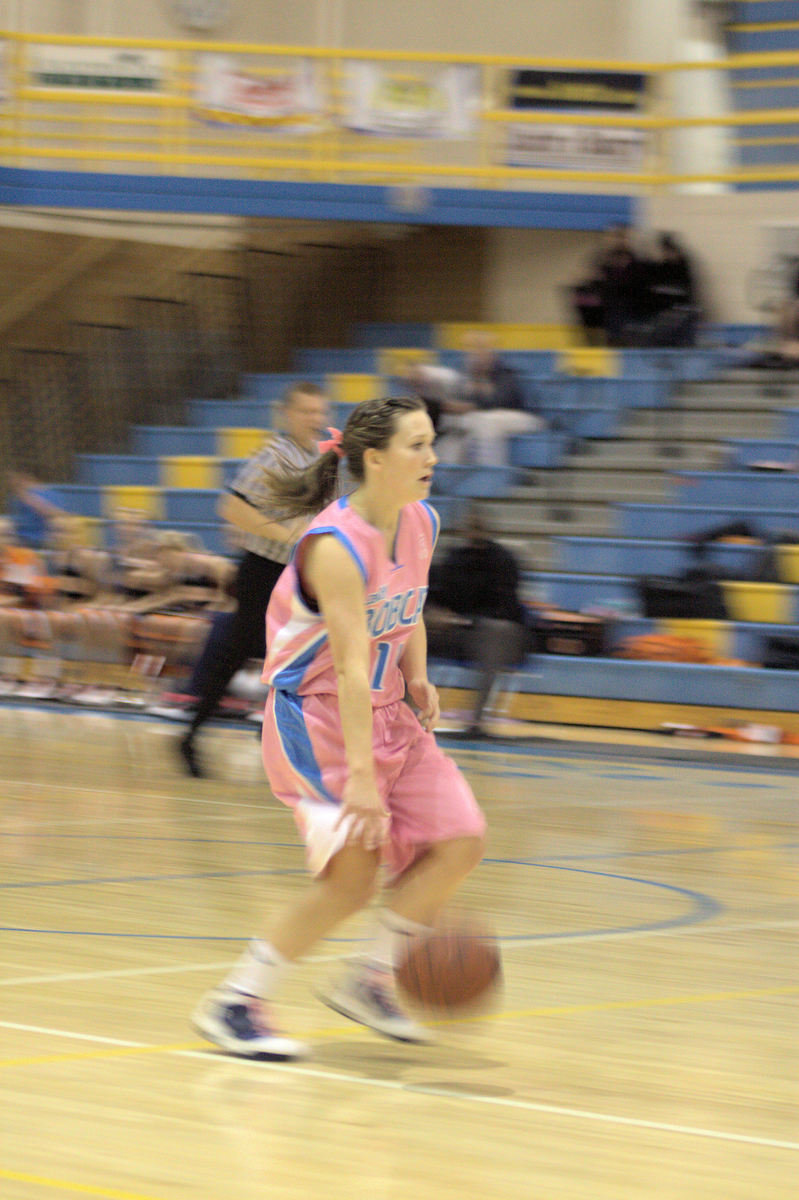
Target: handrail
[[170, 127]]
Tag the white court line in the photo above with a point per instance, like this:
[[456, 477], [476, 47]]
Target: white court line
[[65, 1033], [142, 795], [130, 971], [507, 945], [554, 1110]]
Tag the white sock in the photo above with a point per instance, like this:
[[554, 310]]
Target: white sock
[[390, 940], [259, 971]]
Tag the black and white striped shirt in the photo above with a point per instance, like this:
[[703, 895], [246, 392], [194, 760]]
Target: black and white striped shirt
[[280, 453]]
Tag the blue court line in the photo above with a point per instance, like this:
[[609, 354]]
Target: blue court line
[[703, 908]]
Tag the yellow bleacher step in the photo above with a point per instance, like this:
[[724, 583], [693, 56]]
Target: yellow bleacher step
[[191, 471], [715, 636], [240, 442], [788, 563], [769, 603], [147, 500], [450, 335], [354, 388], [595, 361]]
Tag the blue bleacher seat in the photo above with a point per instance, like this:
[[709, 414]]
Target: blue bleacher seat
[[639, 556], [682, 520], [394, 335]]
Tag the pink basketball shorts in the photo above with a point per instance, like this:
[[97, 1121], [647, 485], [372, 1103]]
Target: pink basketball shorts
[[428, 798]]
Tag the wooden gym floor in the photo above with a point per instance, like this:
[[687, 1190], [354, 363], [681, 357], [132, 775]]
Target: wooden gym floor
[[645, 1045]]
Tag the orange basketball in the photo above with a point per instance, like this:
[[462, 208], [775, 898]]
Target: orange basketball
[[457, 966]]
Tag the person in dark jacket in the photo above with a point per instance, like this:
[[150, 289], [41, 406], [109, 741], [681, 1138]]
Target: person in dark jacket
[[474, 611]]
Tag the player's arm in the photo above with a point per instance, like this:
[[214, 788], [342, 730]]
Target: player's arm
[[331, 576], [245, 516], [413, 665]]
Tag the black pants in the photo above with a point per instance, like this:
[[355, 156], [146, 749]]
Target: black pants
[[246, 634]]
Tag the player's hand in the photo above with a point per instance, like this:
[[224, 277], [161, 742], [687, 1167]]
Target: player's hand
[[425, 697], [370, 820]]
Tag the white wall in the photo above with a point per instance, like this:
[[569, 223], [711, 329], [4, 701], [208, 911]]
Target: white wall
[[572, 28]]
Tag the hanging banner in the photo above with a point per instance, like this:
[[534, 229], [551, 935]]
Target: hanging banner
[[575, 147], [433, 102], [284, 99], [98, 69]]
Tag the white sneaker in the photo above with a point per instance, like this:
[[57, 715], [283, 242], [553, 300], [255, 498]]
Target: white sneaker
[[241, 1025], [367, 996]]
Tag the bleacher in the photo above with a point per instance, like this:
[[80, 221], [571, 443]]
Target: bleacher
[[601, 497]]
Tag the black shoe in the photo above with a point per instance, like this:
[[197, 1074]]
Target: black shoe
[[188, 752]]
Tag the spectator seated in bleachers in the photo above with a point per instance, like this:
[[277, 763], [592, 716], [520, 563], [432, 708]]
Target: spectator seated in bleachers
[[24, 581], [474, 613], [80, 573], [437, 386], [488, 409], [136, 572], [195, 580]]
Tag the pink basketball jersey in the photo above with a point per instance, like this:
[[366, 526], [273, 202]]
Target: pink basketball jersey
[[298, 656]]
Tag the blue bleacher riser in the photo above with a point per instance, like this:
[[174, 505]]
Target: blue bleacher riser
[[743, 452], [229, 414], [756, 12], [622, 679], [640, 557], [410, 335], [687, 364], [747, 641], [790, 423], [579, 422], [543, 363], [681, 520], [476, 482], [272, 386], [191, 504], [786, 95], [85, 500], [746, 490], [762, 41], [778, 155], [122, 469], [735, 334], [337, 361], [668, 683], [172, 440], [451, 509], [544, 449], [577, 593]]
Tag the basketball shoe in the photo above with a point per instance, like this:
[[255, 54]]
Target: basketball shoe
[[367, 995], [241, 1025]]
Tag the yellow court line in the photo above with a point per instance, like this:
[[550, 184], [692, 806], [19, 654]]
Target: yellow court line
[[555, 1010], [565, 1010], [82, 1189]]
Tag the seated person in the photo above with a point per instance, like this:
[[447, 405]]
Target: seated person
[[195, 579], [24, 582], [488, 409], [79, 571], [474, 611], [438, 386], [136, 574]]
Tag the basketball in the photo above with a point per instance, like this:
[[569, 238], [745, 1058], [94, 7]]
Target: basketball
[[457, 966]]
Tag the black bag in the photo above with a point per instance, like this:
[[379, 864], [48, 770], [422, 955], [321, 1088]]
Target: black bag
[[696, 598], [558, 632], [782, 652]]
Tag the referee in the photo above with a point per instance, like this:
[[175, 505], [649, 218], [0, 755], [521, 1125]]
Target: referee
[[267, 543]]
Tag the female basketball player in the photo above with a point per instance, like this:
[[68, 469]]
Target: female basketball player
[[362, 772]]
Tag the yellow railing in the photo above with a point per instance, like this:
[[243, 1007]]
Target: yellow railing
[[310, 114]]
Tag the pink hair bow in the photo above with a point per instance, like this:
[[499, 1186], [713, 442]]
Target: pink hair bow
[[333, 443]]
